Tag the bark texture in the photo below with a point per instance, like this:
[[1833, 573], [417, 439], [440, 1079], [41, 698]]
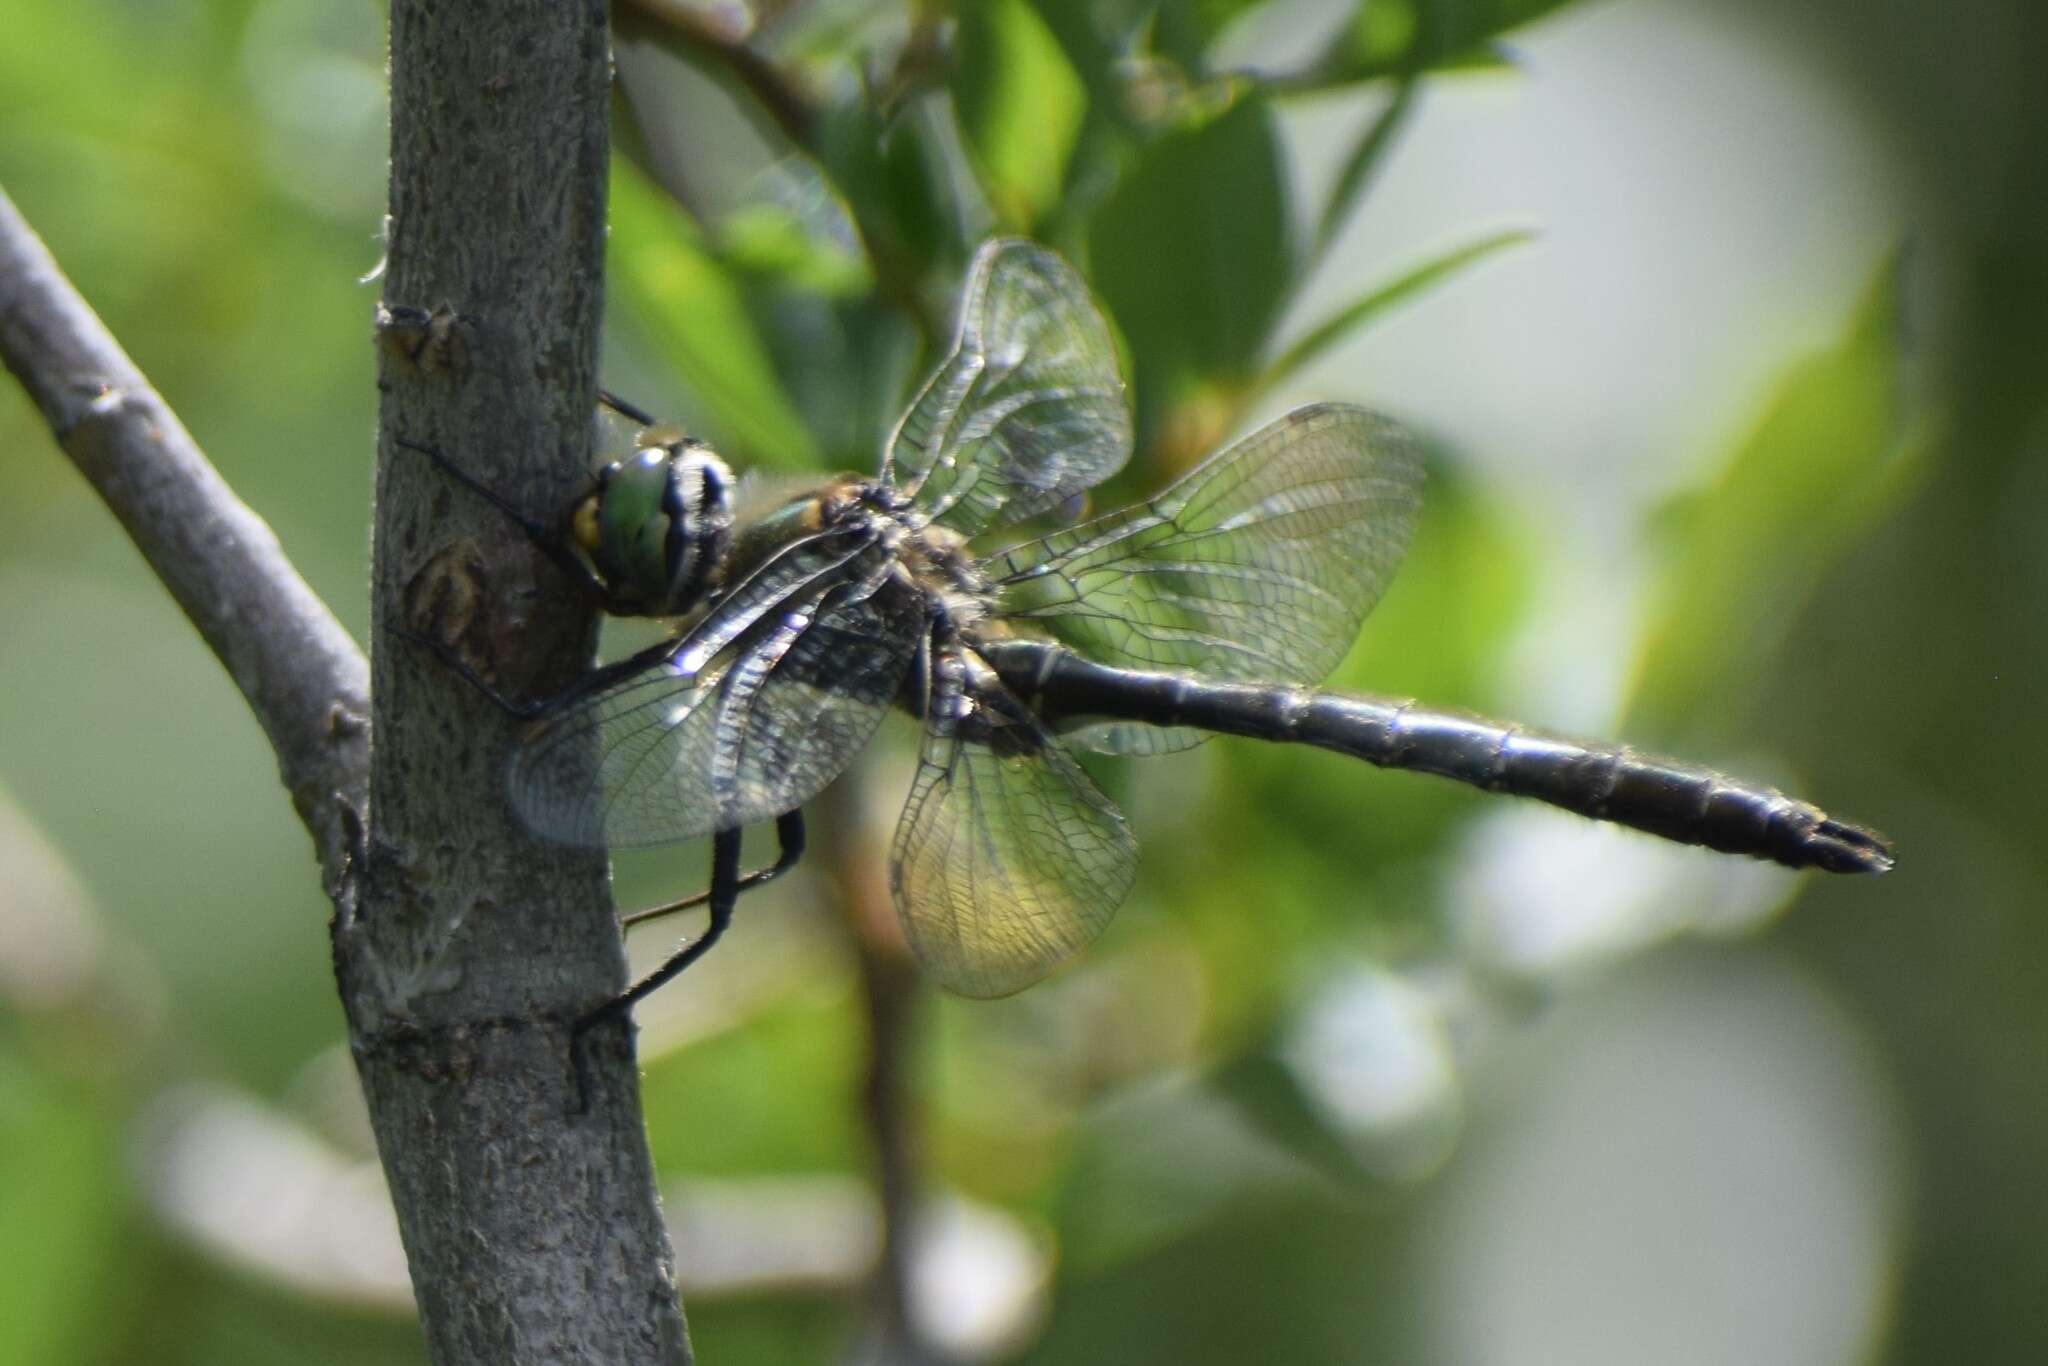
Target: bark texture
[[533, 1232]]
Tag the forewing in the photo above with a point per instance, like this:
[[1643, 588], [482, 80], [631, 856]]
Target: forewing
[[1027, 411], [1008, 859], [801, 705], [1256, 566], [747, 717]]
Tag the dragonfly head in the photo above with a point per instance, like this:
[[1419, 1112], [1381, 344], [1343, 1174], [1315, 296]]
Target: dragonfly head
[[657, 525]]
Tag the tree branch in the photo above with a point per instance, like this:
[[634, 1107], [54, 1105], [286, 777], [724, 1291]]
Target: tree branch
[[533, 1234], [301, 673], [722, 36], [889, 995]]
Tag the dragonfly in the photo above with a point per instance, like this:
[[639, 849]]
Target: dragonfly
[[1215, 607]]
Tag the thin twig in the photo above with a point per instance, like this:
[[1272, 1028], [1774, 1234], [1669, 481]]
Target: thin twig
[[889, 990], [889, 996], [795, 111], [302, 675], [716, 35]]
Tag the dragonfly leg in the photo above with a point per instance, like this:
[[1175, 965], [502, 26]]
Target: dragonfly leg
[[519, 711], [631, 411], [789, 836], [725, 890], [545, 538]]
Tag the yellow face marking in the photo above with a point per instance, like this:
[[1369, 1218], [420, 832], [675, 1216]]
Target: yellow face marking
[[583, 524]]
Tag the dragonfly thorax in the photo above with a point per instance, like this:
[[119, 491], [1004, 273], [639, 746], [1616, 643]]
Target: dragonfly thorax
[[657, 527], [928, 559], [936, 560]]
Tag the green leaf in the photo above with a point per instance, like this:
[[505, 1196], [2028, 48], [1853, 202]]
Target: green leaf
[[775, 242], [1832, 452], [1388, 37], [1179, 32], [1268, 1096], [903, 185], [1377, 301], [1358, 168], [1020, 105], [63, 1208], [1193, 255], [697, 315]]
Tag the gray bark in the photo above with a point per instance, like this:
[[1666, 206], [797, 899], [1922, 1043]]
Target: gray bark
[[533, 1233], [463, 948]]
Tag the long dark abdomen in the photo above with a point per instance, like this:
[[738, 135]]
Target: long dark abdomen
[[1607, 782]]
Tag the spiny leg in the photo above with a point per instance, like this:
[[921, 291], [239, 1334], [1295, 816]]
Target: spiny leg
[[454, 663], [545, 538], [725, 890], [789, 836], [631, 411]]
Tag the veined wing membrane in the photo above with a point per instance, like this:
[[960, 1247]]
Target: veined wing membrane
[[802, 703], [1007, 859], [747, 717], [1256, 566], [1027, 410]]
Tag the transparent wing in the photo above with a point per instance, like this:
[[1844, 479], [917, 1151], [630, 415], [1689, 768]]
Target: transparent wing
[[743, 719], [1007, 859], [1027, 411], [1256, 566]]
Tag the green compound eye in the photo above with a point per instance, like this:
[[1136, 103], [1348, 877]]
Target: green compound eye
[[659, 525], [583, 525]]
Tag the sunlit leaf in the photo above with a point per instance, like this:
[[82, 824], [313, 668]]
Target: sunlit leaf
[[773, 241], [1020, 106], [1829, 455]]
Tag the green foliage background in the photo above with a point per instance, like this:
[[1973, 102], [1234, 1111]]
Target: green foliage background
[[1853, 586]]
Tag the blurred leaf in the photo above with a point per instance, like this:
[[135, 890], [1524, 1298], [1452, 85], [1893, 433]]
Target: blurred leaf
[[64, 1212], [1387, 37], [1091, 39], [686, 121], [1193, 256], [1358, 168], [1826, 459], [1020, 106], [1180, 35], [1396, 291], [902, 185], [773, 241], [1184, 31], [1268, 1095], [698, 316], [771, 1331], [1332, 831], [788, 1067], [1158, 1160]]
